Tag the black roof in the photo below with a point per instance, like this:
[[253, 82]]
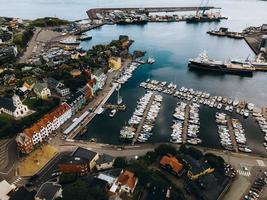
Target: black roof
[[48, 191], [22, 194], [74, 97], [96, 182], [104, 159], [75, 160], [84, 153], [7, 104]]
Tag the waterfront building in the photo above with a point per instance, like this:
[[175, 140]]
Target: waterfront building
[[42, 90], [114, 63], [77, 165], [104, 162], [76, 101], [81, 161], [88, 155], [13, 107], [40, 130]]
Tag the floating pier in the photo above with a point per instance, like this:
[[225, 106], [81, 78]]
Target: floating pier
[[185, 124], [140, 125], [117, 107], [231, 132]]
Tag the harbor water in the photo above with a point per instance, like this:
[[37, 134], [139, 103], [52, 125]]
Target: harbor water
[[171, 44]]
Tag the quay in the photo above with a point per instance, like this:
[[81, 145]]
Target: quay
[[253, 42], [96, 104], [231, 132], [92, 13], [185, 124], [88, 119], [139, 128]]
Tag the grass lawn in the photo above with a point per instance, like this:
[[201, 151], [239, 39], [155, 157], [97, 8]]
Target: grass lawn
[[36, 160]]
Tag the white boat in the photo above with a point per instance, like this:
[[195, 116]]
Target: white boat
[[100, 110], [150, 60], [112, 113]]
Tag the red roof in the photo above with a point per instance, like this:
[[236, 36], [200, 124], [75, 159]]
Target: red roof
[[35, 128], [127, 178], [173, 162]]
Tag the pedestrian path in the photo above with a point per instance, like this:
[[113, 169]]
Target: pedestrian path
[[17, 181], [243, 173]]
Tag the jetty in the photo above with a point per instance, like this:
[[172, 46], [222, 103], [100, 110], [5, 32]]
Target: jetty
[[140, 125], [94, 12], [185, 124], [231, 132]]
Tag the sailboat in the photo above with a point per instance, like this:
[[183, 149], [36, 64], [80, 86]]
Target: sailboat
[[119, 98]]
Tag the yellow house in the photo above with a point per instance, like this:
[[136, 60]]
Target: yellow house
[[114, 63]]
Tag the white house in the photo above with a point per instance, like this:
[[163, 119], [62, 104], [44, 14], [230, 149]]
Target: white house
[[104, 162], [13, 107], [42, 90]]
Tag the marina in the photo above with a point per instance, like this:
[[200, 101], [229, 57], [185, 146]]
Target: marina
[[141, 123]]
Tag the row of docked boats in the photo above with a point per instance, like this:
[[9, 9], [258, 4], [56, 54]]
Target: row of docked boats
[[150, 118], [193, 125], [223, 132], [240, 136], [201, 97], [149, 114], [177, 127], [127, 73], [262, 121]]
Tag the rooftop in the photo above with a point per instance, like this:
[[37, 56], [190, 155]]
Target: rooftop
[[48, 191], [104, 159], [84, 153]]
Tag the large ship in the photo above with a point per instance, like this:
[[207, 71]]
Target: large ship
[[204, 63], [203, 16]]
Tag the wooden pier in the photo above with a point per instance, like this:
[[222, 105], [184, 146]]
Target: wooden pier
[[120, 107], [185, 124], [140, 125], [231, 132]]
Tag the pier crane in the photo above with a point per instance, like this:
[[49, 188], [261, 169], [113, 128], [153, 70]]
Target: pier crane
[[204, 4]]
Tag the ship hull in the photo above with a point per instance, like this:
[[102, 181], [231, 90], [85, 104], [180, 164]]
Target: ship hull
[[202, 19], [219, 69]]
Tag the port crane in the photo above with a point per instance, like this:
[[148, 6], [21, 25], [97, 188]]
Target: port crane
[[204, 4]]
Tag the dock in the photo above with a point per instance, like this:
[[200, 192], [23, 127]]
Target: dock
[[254, 41], [92, 13], [140, 125], [185, 124], [231, 132], [117, 107]]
